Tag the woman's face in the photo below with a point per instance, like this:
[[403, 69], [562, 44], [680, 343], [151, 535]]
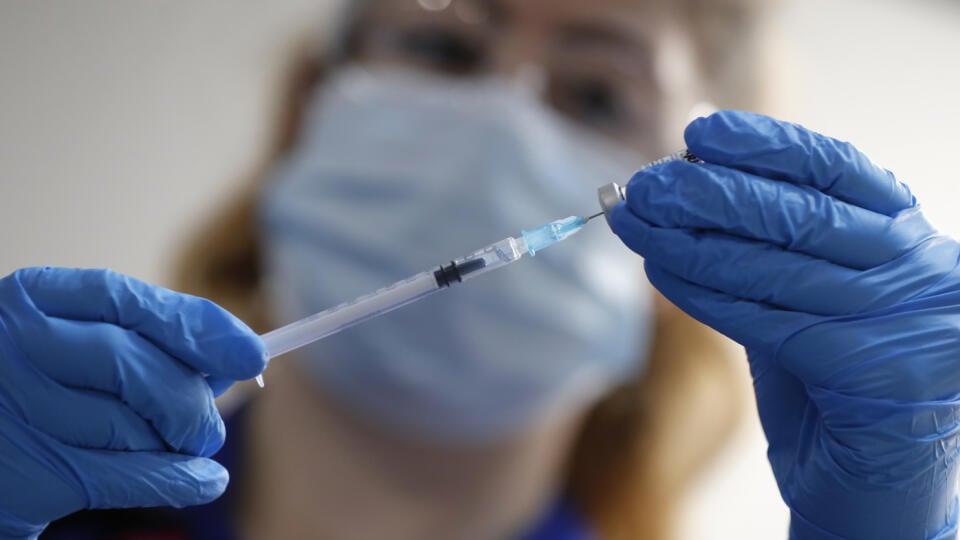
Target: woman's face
[[598, 67], [619, 68]]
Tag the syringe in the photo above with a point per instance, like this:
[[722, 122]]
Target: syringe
[[496, 255]]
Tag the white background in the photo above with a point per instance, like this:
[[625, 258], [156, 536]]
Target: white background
[[122, 121]]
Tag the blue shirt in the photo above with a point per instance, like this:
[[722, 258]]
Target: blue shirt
[[213, 521]]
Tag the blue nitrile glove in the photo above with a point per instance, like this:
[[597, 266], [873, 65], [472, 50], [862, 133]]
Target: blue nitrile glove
[[102, 399], [848, 302]]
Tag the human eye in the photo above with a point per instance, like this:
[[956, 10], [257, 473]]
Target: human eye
[[590, 100], [444, 50]]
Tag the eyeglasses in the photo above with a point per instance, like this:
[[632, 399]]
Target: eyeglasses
[[597, 75]]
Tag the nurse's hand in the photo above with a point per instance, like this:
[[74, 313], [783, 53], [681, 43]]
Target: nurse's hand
[[103, 402], [848, 302]]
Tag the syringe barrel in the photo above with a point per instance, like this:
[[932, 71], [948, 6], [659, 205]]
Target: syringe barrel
[[337, 318], [329, 322], [492, 257]]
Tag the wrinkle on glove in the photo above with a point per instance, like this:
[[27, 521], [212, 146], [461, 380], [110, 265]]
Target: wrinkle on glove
[[847, 300]]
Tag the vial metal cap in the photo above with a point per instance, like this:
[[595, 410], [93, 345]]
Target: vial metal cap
[[609, 196]]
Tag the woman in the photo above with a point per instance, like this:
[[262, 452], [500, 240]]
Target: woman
[[343, 443], [622, 461]]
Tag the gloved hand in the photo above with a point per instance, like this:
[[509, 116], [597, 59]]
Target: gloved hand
[[102, 401], [848, 302]]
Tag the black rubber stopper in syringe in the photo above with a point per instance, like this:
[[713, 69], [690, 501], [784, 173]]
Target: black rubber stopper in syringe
[[453, 272]]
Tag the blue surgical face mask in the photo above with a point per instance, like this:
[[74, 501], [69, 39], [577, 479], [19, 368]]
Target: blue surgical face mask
[[397, 172]]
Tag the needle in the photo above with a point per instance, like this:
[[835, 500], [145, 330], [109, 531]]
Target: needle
[[593, 216]]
